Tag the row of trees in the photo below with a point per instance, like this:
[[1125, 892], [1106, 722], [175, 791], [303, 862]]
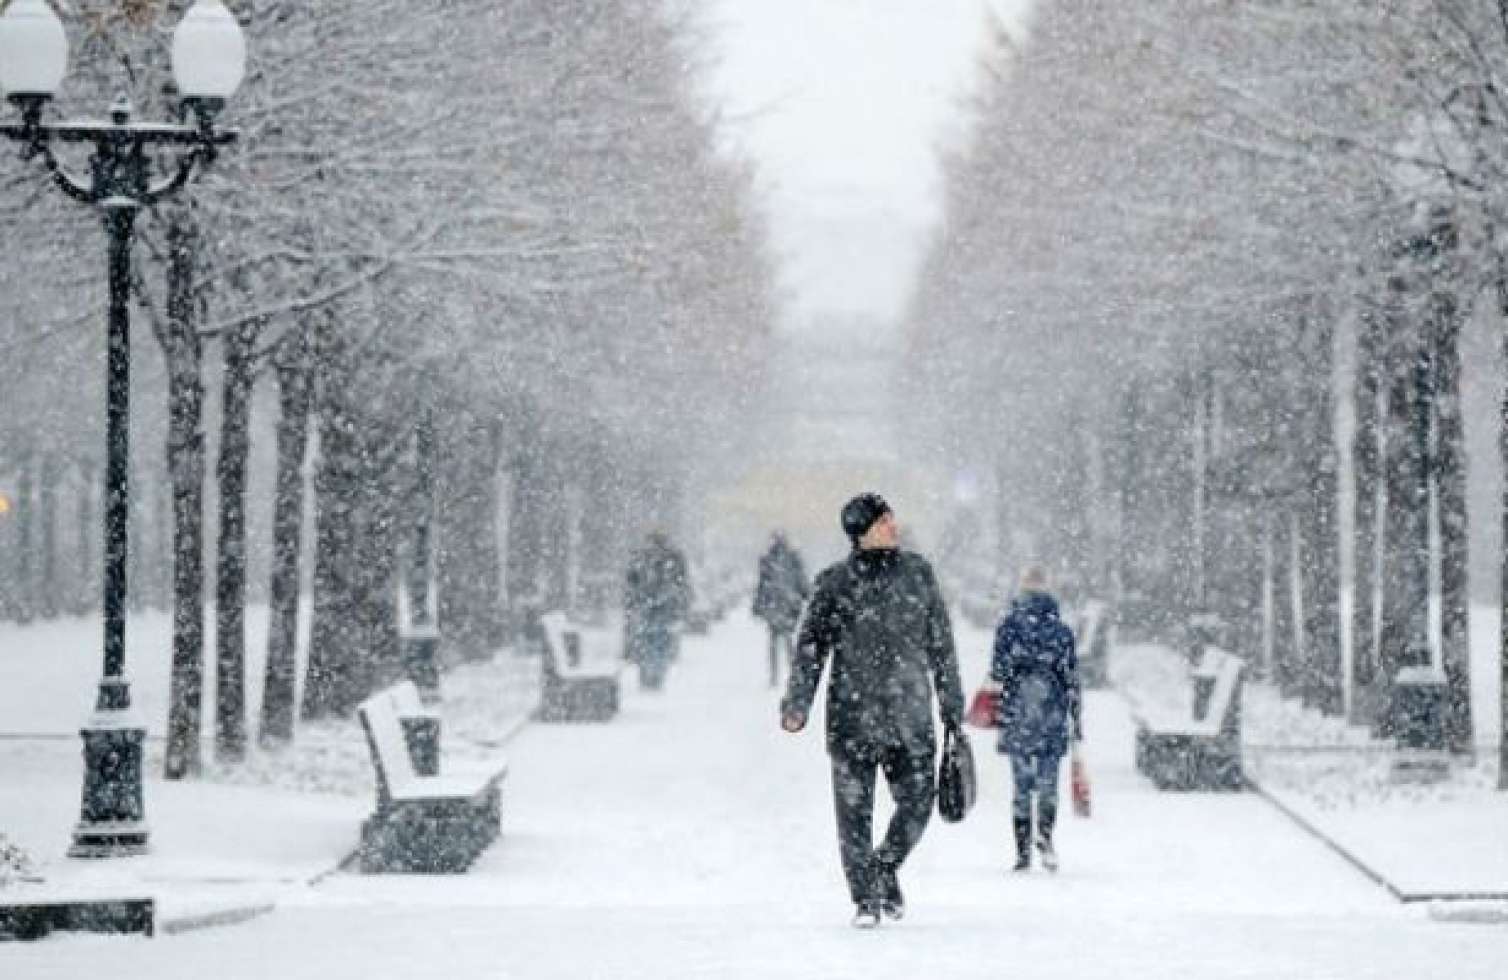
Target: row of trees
[[468, 267], [1168, 220]]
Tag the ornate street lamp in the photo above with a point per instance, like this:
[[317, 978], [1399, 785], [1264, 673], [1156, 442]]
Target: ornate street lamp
[[209, 59]]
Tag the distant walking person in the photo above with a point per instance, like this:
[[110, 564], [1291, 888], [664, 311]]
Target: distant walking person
[[656, 598], [1038, 672], [778, 596], [879, 616]]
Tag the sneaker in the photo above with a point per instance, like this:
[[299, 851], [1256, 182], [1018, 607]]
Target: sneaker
[[866, 915], [1023, 863], [892, 903], [1049, 856]]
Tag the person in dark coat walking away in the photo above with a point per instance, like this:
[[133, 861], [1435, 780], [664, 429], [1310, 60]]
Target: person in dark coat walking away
[[778, 596], [879, 617], [656, 598], [1038, 672]]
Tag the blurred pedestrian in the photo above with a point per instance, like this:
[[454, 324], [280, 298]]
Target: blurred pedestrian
[[778, 596], [656, 599]]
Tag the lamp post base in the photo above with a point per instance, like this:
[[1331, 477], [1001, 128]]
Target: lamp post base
[[112, 817], [105, 840]]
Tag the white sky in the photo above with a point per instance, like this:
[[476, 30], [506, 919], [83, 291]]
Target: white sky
[[843, 104]]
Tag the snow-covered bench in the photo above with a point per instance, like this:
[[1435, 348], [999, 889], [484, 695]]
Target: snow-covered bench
[[1199, 748], [424, 821], [580, 671]]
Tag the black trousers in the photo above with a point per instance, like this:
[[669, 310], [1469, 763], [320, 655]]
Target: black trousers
[[912, 786]]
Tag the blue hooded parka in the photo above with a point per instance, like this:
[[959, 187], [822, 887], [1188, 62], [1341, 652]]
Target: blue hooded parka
[[1035, 664]]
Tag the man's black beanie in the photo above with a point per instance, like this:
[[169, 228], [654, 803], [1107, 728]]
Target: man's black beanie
[[860, 513]]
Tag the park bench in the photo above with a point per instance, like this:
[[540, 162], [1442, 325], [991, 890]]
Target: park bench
[[424, 821], [421, 727], [580, 670], [1198, 748]]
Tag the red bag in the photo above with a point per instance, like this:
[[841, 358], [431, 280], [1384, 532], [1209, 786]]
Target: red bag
[[984, 709], [1078, 781]]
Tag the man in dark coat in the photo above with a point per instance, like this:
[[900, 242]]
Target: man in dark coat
[[879, 617], [656, 597], [1038, 672], [778, 596]]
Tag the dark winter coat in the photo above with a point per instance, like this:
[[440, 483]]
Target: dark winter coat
[[879, 616], [657, 591], [782, 587], [1038, 671]]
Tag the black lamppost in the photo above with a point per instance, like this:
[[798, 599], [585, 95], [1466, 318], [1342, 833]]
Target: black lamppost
[[209, 58]]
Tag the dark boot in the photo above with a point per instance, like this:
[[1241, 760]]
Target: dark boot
[[892, 902], [866, 914], [1023, 829]]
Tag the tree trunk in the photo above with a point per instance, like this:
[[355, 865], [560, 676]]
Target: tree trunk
[[597, 529], [1404, 638], [374, 577], [526, 517], [1450, 476], [1366, 455], [468, 565], [421, 567], [185, 451], [1170, 509], [1200, 491], [47, 543], [1319, 541], [1502, 285], [280, 676], [1131, 544], [1284, 620], [1393, 634], [555, 515], [230, 565], [332, 680]]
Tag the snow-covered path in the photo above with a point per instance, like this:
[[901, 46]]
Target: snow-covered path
[[690, 837]]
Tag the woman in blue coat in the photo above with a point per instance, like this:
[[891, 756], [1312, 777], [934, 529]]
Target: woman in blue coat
[[1038, 673]]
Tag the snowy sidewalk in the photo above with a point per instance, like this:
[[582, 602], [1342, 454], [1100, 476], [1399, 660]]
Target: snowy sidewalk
[[218, 852], [691, 838], [1420, 843], [224, 847], [1447, 840]]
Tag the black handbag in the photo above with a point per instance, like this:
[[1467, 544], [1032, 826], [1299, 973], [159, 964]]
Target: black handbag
[[956, 784]]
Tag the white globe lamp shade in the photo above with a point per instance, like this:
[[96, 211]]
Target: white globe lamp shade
[[209, 52], [33, 49]]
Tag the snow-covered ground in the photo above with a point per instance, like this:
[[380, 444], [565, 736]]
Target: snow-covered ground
[[1441, 838], [690, 837]]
